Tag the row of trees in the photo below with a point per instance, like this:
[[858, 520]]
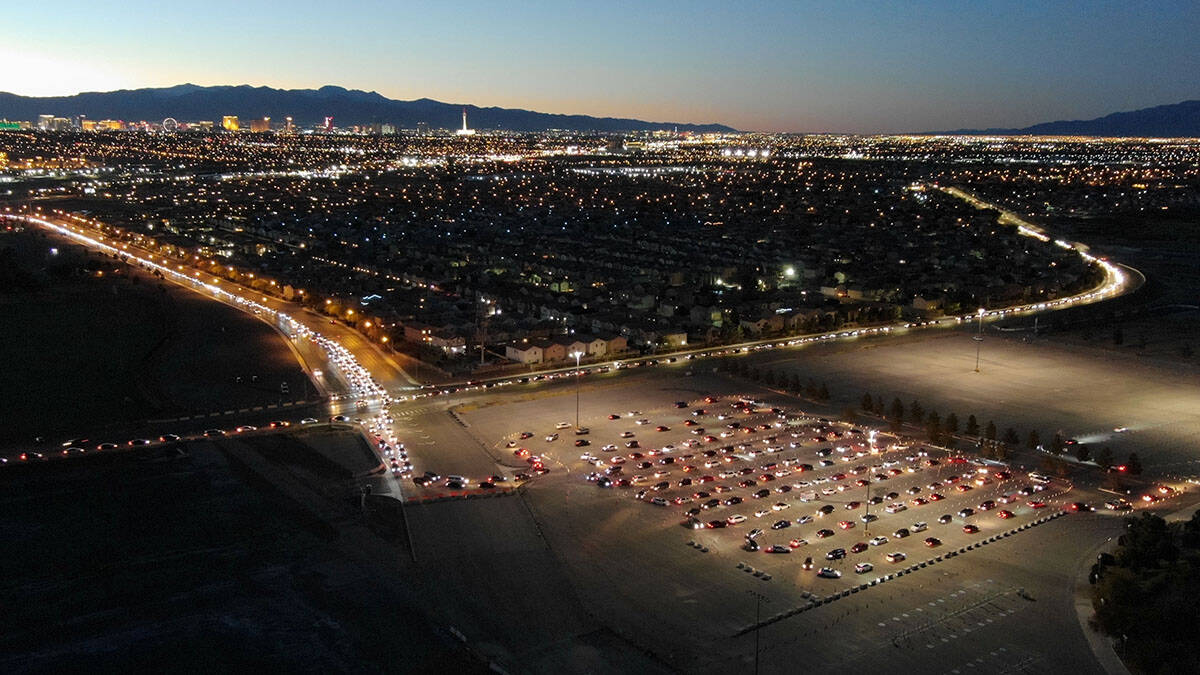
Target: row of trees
[[993, 444], [788, 381], [1147, 592]]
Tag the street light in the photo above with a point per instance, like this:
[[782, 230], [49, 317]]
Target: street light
[[577, 355], [979, 339]]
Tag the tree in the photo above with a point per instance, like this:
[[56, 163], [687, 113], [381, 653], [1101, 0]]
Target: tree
[[823, 392], [1104, 457], [849, 414], [951, 425], [868, 404], [972, 426], [1133, 465], [1032, 441], [1082, 453], [1011, 437], [916, 412], [794, 383], [933, 426], [769, 378], [897, 415], [1057, 443], [990, 433]]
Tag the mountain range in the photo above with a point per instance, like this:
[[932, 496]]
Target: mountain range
[[189, 102], [1177, 120]]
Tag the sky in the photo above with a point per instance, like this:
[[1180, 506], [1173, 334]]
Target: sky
[[789, 65]]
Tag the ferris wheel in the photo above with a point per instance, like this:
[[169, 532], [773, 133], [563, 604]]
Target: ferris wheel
[[169, 125]]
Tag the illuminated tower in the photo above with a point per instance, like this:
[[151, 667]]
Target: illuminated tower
[[464, 131]]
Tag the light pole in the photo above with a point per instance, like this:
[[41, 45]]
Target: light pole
[[577, 355], [979, 339], [758, 600]]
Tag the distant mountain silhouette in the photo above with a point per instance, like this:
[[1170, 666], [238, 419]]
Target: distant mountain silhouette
[[1165, 121], [189, 102]]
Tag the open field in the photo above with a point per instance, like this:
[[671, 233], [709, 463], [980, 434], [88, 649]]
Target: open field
[[178, 560], [93, 354]]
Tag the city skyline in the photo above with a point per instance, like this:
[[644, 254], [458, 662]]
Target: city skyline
[[803, 67]]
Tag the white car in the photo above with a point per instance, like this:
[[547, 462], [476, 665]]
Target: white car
[[563, 425], [779, 506], [736, 518], [878, 541], [760, 513]]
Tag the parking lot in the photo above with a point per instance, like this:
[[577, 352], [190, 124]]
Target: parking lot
[[646, 571]]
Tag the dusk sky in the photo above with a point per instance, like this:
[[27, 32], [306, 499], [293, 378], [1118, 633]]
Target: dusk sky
[[780, 66]]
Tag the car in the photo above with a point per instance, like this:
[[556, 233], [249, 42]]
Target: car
[[139, 441], [208, 432], [824, 533], [454, 485], [901, 533], [829, 573], [878, 541], [736, 519], [836, 554], [1034, 504], [933, 542], [626, 434], [919, 526], [778, 548], [754, 534], [781, 524], [632, 444], [970, 528], [846, 524], [803, 520], [1118, 505], [779, 506], [808, 563], [966, 513], [1005, 514], [643, 421], [662, 427], [895, 557], [868, 517], [1079, 507], [279, 424], [526, 434], [563, 425], [582, 442], [825, 510], [716, 524], [863, 568], [945, 518], [797, 543], [732, 501], [987, 505], [551, 438], [339, 418], [309, 420], [859, 547]]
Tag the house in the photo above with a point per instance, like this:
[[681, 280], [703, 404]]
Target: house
[[418, 333], [524, 353], [617, 344], [675, 339], [552, 351], [448, 341], [597, 347]]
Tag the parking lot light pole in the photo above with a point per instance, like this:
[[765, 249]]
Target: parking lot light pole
[[577, 355], [758, 600], [979, 339]]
